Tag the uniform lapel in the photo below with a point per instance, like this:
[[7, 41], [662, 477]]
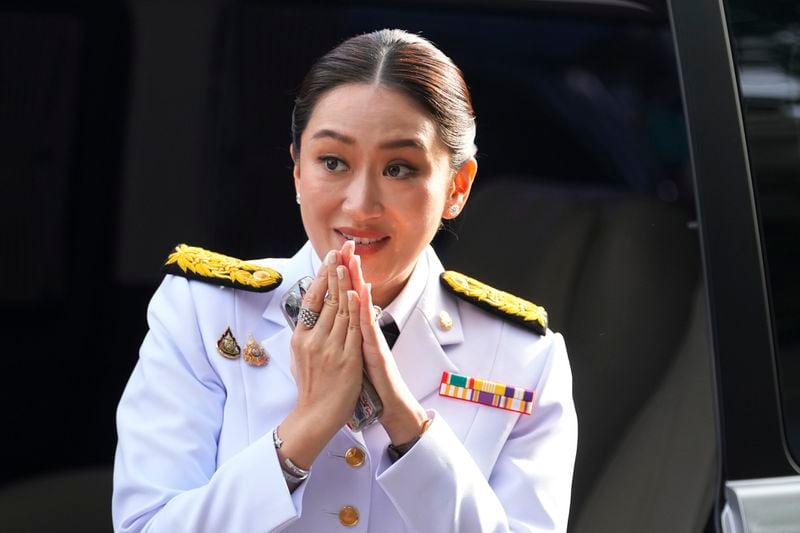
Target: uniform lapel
[[421, 349], [277, 343]]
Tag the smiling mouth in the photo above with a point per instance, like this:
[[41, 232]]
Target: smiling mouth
[[360, 240]]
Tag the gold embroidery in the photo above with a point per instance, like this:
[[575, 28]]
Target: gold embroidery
[[223, 269], [526, 312]]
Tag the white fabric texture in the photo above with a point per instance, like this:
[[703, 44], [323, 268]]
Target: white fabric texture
[[195, 448]]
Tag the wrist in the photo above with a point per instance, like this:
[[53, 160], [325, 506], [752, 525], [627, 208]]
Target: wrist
[[293, 474], [396, 451], [303, 437], [404, 423]]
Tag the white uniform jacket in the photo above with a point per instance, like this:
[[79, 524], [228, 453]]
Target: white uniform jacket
[[195, 450]]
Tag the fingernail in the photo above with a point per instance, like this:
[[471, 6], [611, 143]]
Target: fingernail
[[330, 259], [351, 295], [340, 272]]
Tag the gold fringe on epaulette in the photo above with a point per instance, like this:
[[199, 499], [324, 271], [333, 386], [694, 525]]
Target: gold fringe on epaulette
[[504, 302], [221, 267]]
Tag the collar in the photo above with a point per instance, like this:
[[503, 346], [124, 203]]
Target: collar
[[316, 261], [400, 308]]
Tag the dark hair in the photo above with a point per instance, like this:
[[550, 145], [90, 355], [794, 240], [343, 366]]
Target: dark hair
[[402, 61]]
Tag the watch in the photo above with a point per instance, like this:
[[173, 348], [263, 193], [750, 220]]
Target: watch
[[397, 451]]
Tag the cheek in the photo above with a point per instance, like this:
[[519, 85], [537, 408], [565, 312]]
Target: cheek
[[423, 212]]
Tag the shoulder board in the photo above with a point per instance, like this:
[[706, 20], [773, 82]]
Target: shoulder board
[[210, 267], [519, 311]]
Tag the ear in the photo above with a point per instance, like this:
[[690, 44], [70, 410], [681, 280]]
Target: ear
[[296, 160], [460, 188]]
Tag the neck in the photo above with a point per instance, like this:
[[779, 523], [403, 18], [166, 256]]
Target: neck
[[383, 296], [385, 293]]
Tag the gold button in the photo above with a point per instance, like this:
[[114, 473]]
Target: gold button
[[348, 516], [354, 457], [260, 275], [445, 322]]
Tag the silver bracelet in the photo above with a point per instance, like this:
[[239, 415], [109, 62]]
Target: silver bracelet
[[291, 472]]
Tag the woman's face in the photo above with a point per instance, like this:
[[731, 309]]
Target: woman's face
[[372, 168]]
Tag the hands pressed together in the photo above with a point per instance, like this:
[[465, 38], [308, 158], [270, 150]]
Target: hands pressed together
[[329, 358]]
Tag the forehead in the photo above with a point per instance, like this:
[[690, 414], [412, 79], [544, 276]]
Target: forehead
[[372, 113]]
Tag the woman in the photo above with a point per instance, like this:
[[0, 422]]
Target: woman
[[383, 133]]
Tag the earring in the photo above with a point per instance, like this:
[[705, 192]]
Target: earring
[[297, 198], [453, 210]]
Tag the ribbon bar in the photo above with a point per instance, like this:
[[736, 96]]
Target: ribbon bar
[[476, 390]]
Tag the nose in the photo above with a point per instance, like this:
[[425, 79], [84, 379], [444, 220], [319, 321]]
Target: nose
[[363, 197]]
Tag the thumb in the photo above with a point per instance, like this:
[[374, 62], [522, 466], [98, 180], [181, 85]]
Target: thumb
[[370, 331]]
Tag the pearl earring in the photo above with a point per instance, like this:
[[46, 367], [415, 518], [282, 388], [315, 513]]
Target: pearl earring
[[453, 210], [297, 198]]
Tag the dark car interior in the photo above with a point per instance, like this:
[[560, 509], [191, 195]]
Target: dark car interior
[[583, 204]]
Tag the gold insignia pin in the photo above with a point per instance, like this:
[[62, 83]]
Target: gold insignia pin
[[445, 322], [254, 353], [227, 345]]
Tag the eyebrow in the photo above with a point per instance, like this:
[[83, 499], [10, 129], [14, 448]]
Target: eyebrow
[[334, 135], [403, 143], [346, 139]]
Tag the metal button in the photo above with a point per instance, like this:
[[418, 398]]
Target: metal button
[[354, 456], [348, 516]]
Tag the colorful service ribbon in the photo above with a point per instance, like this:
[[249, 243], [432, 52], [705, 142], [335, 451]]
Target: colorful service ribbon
[[486, 392]]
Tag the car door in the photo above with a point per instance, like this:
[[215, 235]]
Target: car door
[[740, 69]]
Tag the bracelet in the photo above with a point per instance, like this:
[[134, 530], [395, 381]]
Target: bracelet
[[291, 472], [398, 451]]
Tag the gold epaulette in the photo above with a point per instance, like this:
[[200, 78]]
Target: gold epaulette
[[522, 312], [196, 263]]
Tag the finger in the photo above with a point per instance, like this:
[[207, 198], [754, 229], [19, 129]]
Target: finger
[[370, 330], [315, 293], [339, 328], [366, 310], [352, 344], [348, 249], [331, 300], [356, 276]]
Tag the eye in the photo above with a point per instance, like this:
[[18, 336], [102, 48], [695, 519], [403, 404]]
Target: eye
[[398, 170], [333, 164]]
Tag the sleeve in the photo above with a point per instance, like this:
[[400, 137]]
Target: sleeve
[[168, 423], [437, 486]]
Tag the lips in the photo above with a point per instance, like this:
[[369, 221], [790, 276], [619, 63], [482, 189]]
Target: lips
[[361, 236], [367, 242]]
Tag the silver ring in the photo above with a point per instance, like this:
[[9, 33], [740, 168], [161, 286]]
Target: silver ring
[[307, 317]]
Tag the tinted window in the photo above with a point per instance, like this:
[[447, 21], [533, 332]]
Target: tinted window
[[766, 36]]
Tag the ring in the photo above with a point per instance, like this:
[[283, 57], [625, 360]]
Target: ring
[[307, 317]]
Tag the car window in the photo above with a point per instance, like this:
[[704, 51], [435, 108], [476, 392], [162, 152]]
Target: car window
[[766, 38]]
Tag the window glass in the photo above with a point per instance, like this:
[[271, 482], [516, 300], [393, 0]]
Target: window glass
[[766, 38]]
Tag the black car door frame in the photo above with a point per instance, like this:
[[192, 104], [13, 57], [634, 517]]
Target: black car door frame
[[750, 432]]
